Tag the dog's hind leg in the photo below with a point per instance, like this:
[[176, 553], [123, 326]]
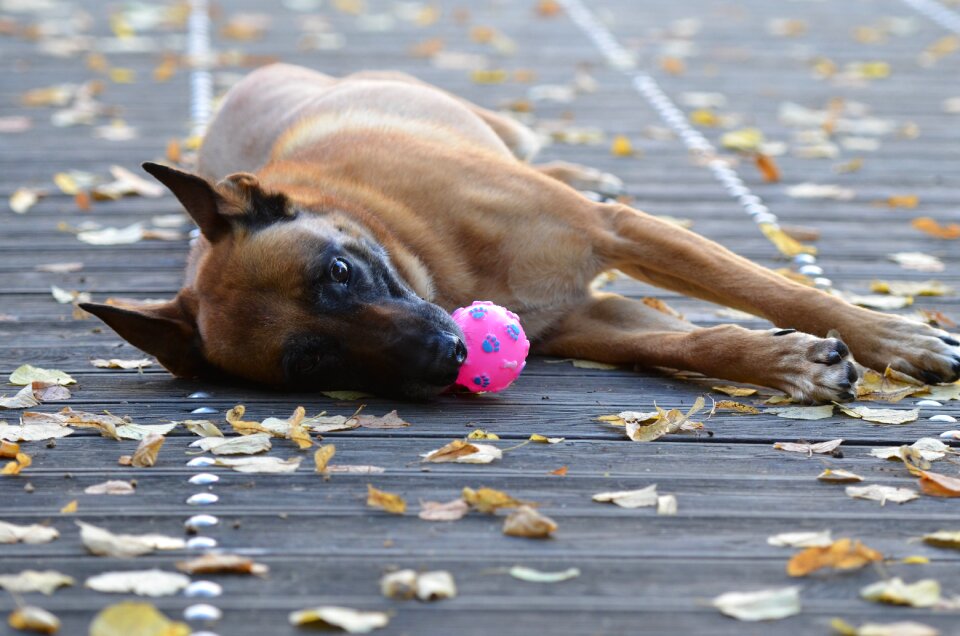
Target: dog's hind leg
[[668, 256], [611, 328]]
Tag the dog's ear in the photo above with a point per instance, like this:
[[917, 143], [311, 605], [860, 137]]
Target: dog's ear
[[167, 331], [251, 205], [197, 196]]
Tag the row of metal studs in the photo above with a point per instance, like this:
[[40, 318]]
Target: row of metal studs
[[948, 19], [201, 98], [674, 118]]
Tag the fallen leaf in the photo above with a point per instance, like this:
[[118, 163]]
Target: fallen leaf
[[401, 584], [116, 363], [536, 576], [28, 581], [203, 428], [810, 539], [140, 582], [27, 374], [390, 420], [266, 465], [138, 432], [666, 422], [902, 628], [463, 452], [482, 434], [730, 405], [809, 449], [938, 485], [630, 498], [355, 469], [147, 450], [330, 423], [349, 620], [112, 235], [426, 586], [933, 228], [394, 504], [838, 476], [23, 199], [884, 303], [322, 457], [102, 542], [734, 391], [46, 392], [21, 461], [34, 619], [928, 449], [543, 439], [944, 539], [666, 505], [23, 399], [880, 416], [346, 395], [112, 487], [32, 534], [874, 386], [923, 593], [820, 191], [560, 472], [126, 183], [917, 261], [9, 449], [245, 445], [843, 554], [220, 563], [70, 508], [621, 147], [59, 268], [761, 605], [135, 618], [488, 500], [527, 522], [803, 412], [443, 511], [883, 494], [910, 288]]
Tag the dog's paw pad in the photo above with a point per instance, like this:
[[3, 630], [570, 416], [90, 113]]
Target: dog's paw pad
[[482, 380], [491, 344]]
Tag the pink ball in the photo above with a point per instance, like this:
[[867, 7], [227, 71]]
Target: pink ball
[[497, 348]]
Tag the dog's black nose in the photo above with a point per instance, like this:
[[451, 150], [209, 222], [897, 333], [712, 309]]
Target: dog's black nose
[[458, 350]]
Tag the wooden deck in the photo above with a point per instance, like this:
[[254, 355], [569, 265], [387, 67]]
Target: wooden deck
[[641, 573]]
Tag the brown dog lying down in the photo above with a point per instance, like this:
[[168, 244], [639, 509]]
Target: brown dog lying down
[[350, 215]]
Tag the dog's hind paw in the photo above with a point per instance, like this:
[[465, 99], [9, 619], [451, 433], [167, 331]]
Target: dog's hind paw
[[811, 369]]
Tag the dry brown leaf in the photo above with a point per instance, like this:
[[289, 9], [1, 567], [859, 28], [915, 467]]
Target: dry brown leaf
[[880, 416], [34, 619], [734, 391], [32, 534], [838, 476], [527, 522], [390, 420], [543, 439], [203, 428], [140, 582], [355, 469], [803, 412], [349, 620], [883, 494], [116, 363], [21, 461], [9, 449], [488, 500], [463, 452], [44, 582], [394, 504], [102, 542], [842, 554], [938, 485], [924, 593], [112, 487], [901, 628], [910, 288], [222, 564], [244, 445], [146, 454], [443, 511], [630, 498], [27, 374], [298, 433], [933, 228], [730, 405], [767, 167], [23, 399], [560, 472], [482, 434], [943, 539], [661, 306], [426, 586], [23, 199], [265, 465], [47, 392], [809, 449], [322, 457]]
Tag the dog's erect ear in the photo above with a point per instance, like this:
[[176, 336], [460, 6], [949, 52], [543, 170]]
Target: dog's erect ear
[[258, 207], [198, 197], [167, 331]]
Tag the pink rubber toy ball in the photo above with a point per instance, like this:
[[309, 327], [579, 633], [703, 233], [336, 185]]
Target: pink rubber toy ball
[[497, 348]]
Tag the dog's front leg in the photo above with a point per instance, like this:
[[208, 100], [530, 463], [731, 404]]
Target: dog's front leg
[[671, 257], [611, 328]]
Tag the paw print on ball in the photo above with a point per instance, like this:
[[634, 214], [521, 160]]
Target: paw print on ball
[[478, 313], [513, 332], [491, 344], [482, 380]]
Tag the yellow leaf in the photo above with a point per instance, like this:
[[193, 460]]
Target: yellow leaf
[[27, 374], [122, 75], [489, 76], [787, 246], [933, 228], [730, 405], [621, 147], [488, 500], [394, 504], [482, 434], [323, 456], [146, 454], [734, 391], [135, 618], [903, 201], [743, 140], [9, 449], [298, 433], [34, 619], [70, 508], [915, 560], [843, 554]]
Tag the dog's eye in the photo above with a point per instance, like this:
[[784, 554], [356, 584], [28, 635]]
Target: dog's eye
[[340, 271]]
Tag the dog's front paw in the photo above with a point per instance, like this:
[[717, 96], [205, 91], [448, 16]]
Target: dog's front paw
[[810, 369], [920, 351]]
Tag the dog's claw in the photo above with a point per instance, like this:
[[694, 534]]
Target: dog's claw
[[950, 341]]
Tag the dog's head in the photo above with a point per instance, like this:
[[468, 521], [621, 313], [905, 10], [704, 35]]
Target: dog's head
[[289, 295]]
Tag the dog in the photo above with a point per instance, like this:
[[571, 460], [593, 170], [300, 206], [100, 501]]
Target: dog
[[350, 215]]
